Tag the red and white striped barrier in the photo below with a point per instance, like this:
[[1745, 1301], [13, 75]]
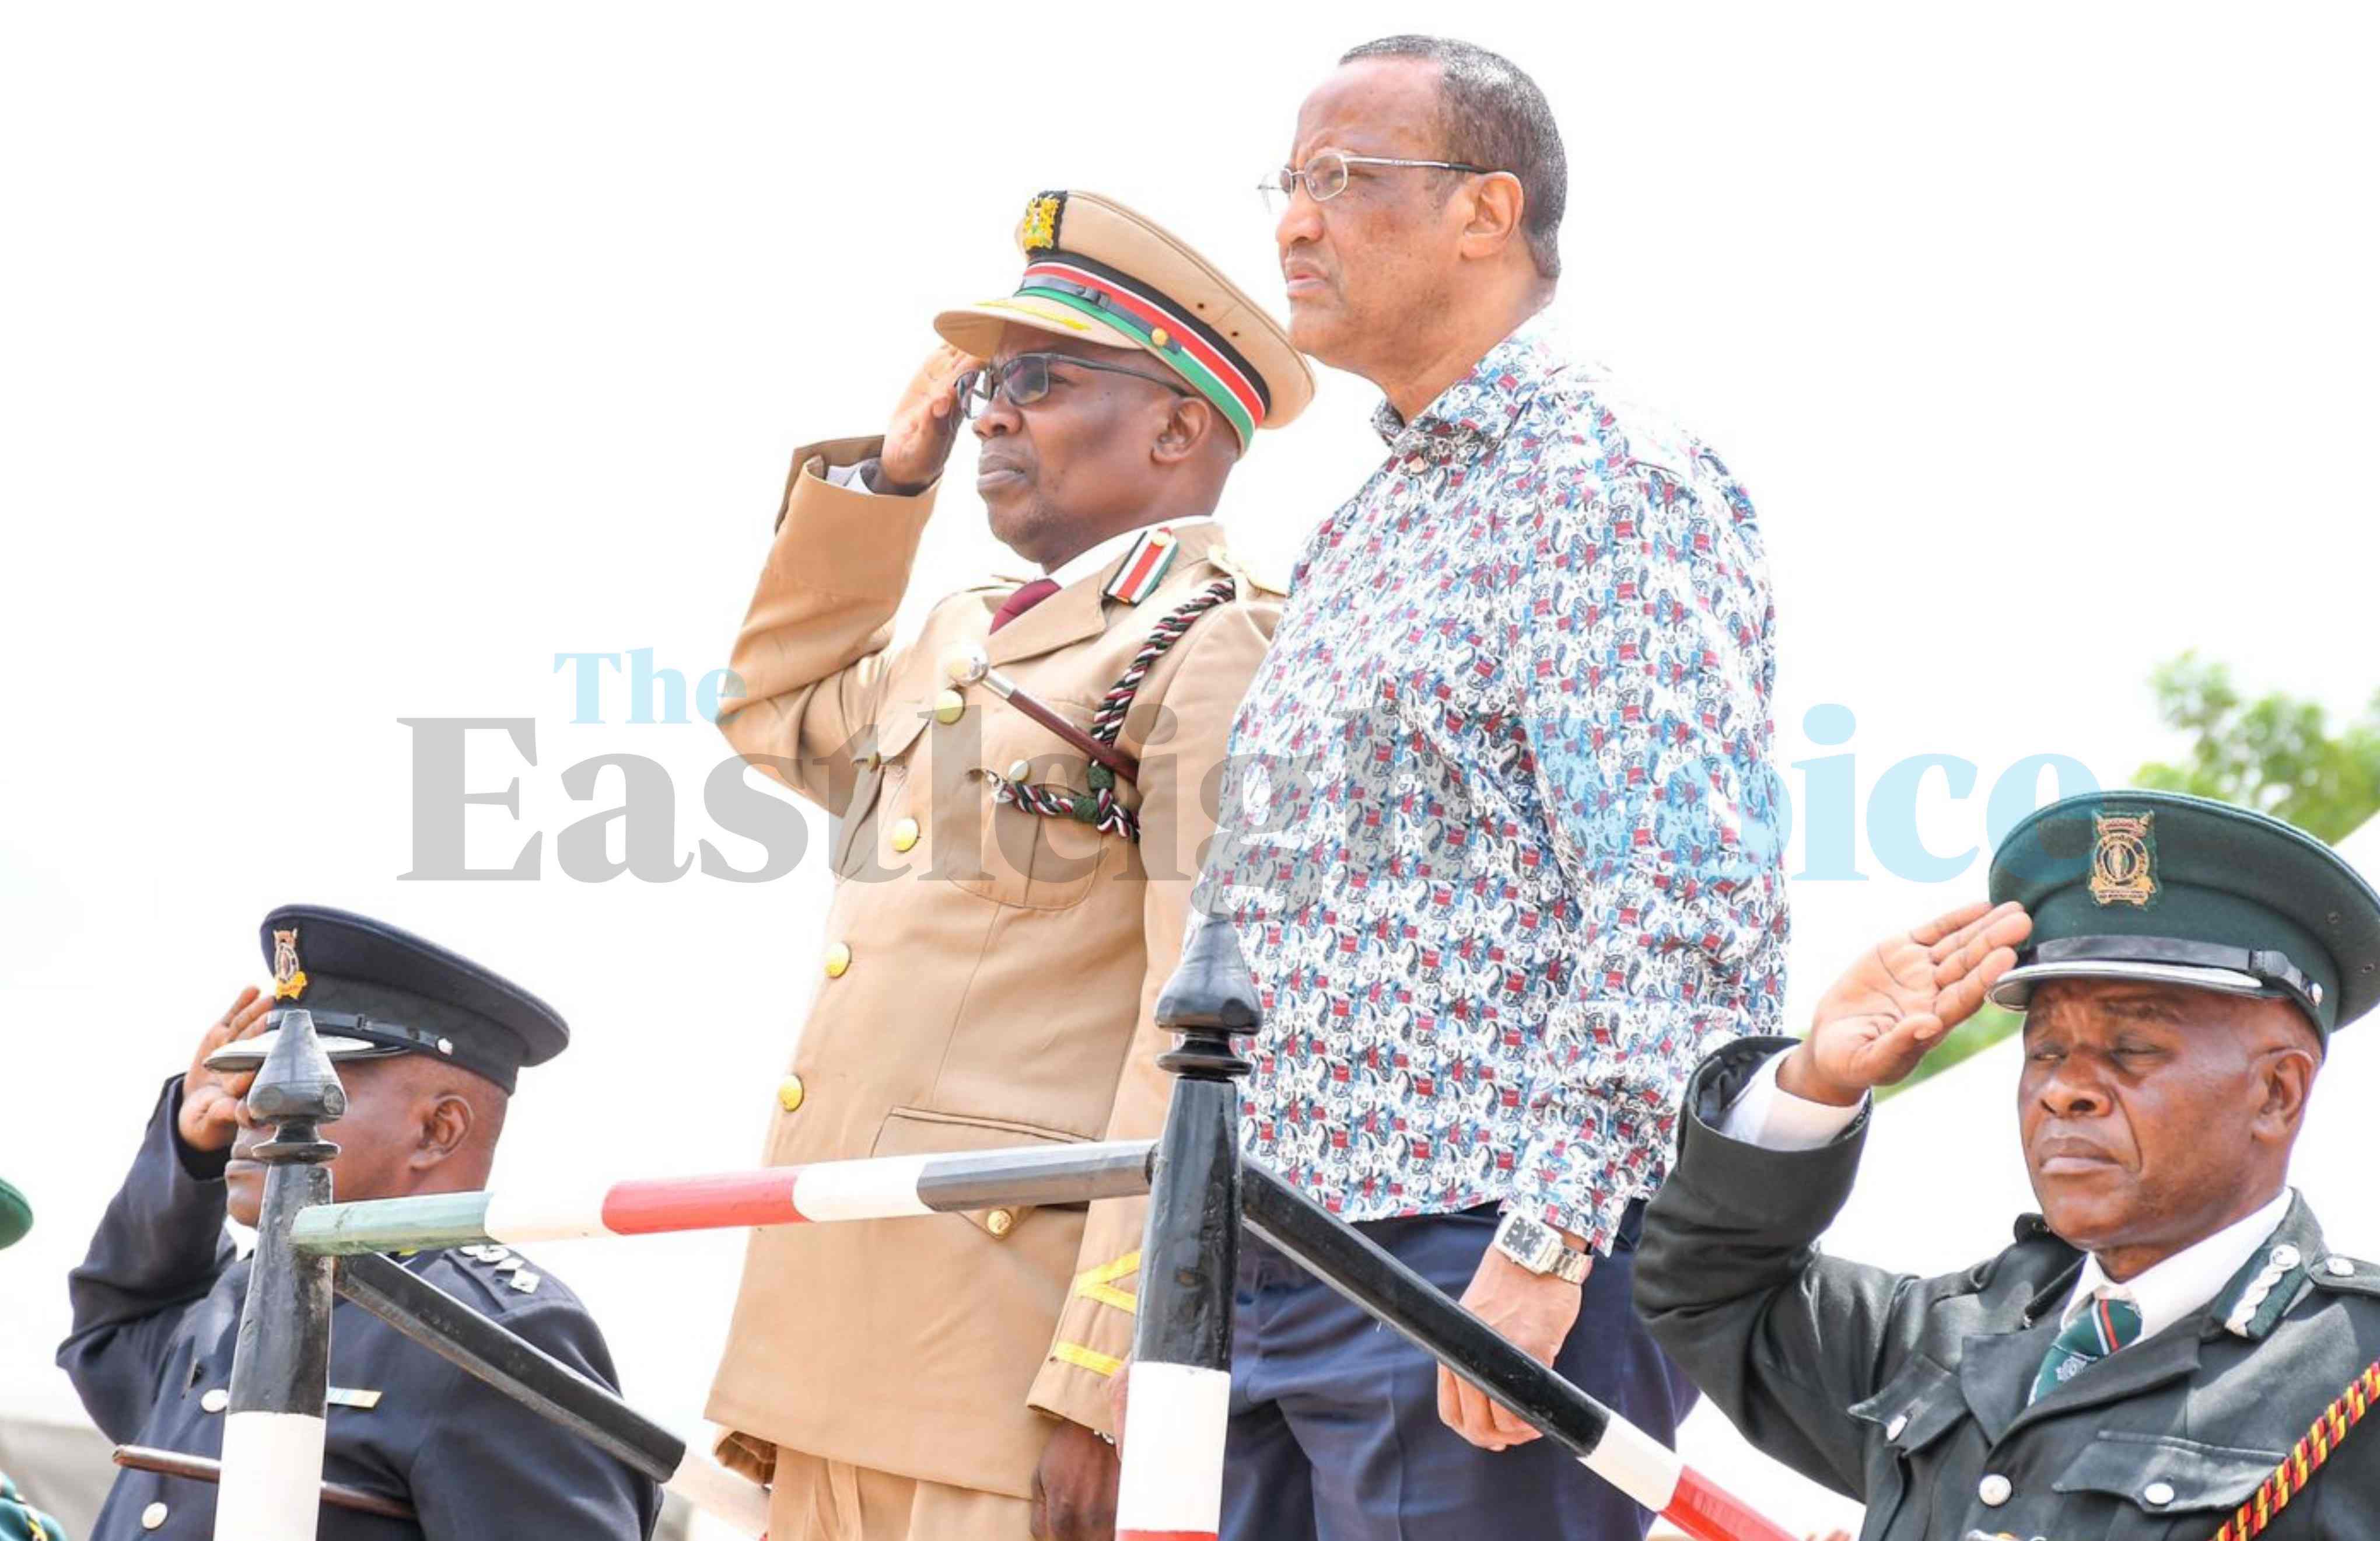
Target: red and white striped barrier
[[879, 1187]]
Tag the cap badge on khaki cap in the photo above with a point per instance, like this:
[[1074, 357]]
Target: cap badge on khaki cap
[[1098, 273], [1037, 231]]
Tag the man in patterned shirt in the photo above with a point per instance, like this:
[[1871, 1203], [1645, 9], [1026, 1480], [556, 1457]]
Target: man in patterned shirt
[[1501, 836]]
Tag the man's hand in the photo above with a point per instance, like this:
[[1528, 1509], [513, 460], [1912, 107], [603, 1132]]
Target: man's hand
[[210, 1119], [1074, 1487], [926, 423], [1536, 1311], [1889, 1008]]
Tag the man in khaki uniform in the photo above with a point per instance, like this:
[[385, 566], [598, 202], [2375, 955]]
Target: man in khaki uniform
[[1006, 909]]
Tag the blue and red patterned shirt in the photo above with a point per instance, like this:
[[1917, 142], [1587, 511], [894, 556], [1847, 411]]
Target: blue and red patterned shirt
[[1500, 834]]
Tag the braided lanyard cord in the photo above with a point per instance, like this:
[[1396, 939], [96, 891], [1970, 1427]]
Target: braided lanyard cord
[[1100, 807], [2291, 1475]]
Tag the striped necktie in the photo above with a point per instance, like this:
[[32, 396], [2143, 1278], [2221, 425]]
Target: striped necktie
[[2110, 1323]]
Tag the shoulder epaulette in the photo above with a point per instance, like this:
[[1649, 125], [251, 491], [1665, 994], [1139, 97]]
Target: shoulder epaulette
[[1231, 561], [500, 1269], [2350, 1274]]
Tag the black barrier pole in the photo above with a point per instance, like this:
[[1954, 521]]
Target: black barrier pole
[[1610, 1446], [281, 1361], [519, 1369], [1181, 1345]]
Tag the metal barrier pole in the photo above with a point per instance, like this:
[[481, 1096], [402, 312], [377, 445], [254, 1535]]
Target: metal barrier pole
[[869, 1188], [281, 1365], [529, 1375], [1172, 1484]]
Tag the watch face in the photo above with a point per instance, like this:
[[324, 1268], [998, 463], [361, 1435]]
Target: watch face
[[1531, 1243]]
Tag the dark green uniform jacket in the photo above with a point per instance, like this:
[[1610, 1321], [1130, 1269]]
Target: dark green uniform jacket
[[1910, 1393]]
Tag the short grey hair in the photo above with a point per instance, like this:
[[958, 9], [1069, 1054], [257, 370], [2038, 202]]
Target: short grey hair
[[1493, 114]]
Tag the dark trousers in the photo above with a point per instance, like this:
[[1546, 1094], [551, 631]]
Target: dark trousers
[[1335, 1435]]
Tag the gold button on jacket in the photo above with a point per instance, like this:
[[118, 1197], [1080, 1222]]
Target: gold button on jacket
[[790, 1094], [1008, 991], [838, 959]]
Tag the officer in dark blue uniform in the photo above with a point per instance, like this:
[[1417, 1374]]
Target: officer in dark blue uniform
[[428, 1045]]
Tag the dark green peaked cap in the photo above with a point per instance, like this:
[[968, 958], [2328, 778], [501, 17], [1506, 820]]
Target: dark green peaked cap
[[2186, 890], [16, 1215]]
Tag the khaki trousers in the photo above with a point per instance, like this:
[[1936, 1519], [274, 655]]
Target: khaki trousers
[[813, 1499]]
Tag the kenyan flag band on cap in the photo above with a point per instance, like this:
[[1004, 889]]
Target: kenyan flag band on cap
[[1100, 272]]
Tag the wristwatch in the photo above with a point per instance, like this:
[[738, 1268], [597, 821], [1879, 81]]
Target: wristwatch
[[1539, 1248]]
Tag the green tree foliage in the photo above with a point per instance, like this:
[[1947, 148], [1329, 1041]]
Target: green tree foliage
[[2274, 753]]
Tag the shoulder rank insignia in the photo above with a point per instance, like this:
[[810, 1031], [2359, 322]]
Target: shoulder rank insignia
[[2123, 861], [288, 979], [1231, 561], [1145, 567]]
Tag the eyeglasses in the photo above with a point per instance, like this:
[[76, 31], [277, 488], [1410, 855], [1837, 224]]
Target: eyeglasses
[[1024, 380], [1325, 177]]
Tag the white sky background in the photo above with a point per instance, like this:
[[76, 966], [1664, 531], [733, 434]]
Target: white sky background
[[355, 364]]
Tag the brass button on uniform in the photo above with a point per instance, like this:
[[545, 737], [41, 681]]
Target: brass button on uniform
[[904, 834], [1019, 769], [153, 1516], [999, 1222], [790, 1093], [215, 1401], [949, 707], [838, 959]]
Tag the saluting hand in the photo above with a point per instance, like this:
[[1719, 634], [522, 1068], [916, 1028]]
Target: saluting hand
[[1901, 999], [926, 422], [210, 1116]]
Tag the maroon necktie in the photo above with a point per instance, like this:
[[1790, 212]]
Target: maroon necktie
[[1021, 601]]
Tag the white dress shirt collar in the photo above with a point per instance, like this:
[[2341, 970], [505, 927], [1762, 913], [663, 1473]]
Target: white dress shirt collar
[[2188, 1281]]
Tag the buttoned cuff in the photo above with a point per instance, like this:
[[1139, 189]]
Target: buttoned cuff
[[1766, 1115], [1569, 1207]]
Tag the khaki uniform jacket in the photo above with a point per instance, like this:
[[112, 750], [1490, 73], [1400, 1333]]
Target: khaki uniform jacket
[[1910, 1394], [1002, 972]]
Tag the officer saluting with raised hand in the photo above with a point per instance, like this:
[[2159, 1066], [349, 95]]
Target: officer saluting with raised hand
[[1013, 854], [2171, 1348], [428, 1045]]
